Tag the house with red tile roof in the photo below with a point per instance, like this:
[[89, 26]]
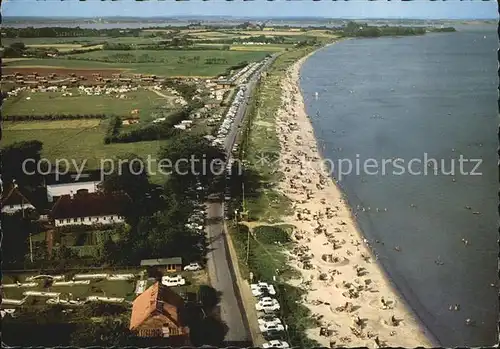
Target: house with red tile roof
[[159, 312], [90, 208], [13, 200]]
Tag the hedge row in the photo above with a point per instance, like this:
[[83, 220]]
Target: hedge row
[[149, 132]]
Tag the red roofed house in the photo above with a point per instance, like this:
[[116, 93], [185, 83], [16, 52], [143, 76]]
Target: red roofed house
[[158, 312], [14, 201], [90, 208]]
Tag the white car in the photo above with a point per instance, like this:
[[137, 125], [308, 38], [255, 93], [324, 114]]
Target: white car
[[192, 267], [276, 344], [269, 319], [172, 281], [262, 288], [271, 327], [267, 304]]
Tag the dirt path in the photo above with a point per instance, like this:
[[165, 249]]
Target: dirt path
[[159, 93]]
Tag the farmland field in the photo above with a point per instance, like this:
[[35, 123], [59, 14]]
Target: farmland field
[[67, 47], [81, 40], [79, 144], [162, 63], [45, 103], [59, 63], [50, 125], [263, 48]]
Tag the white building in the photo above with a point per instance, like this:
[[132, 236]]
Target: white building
[[59, 185], [14, 201], [57, 190]]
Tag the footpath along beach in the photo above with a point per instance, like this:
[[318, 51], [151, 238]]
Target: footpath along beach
[[347, 291]]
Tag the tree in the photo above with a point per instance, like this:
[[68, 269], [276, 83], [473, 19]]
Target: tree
[[18, 46], [19, 162], [194, 162], [109, 332], [110, 252], [15, 234], [129, 175]]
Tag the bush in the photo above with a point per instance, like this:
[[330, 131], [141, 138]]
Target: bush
[[271, 234]]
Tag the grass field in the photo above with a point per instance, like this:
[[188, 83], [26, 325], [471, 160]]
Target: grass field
[[81, 144], [176, 57], [50, 125], [270, 205], [57, 63], [165, 63], [44, 103], [66, 47], [81, 40]]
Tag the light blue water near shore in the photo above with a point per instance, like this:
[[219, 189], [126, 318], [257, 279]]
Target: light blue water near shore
[[403, 97]]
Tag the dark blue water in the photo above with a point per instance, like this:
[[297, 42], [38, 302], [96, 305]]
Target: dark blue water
[[390, 98]]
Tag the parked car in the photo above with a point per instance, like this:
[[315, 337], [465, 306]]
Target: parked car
[[262, 288], [269, 319], [267, 303], [271, 327], [276, 344], [172, 281], [193, 267]]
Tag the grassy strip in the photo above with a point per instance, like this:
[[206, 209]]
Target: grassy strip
[[266, 260], [261, 250], [261, 148]]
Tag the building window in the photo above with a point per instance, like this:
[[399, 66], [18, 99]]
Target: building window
[[11, 206], [67, 220], [74, 219], [81, 219]]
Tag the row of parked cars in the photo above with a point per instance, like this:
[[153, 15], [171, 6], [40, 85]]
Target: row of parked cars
[[197, 220], [270, 325], [225, 127], [246, 76]]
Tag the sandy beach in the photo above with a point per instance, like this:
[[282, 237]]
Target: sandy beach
[[347, 290]]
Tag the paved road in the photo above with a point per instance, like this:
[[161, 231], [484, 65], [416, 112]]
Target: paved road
[[219, 264], [221, 277]]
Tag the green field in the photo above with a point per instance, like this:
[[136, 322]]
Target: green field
[[59, 63], [81, 144], [45, 103], [82, 40], [50, 125], [163, 63]]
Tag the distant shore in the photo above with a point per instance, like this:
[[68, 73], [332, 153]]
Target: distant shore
[[346, 288]]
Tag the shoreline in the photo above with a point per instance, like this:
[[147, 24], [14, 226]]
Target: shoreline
[[352, 297]]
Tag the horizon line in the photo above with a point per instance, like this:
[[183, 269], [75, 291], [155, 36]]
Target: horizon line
[[253, 17]]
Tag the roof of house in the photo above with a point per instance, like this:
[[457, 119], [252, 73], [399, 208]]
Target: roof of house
[[161, 261], [13, 196], [158, 298], [58, 178], [90, 205]]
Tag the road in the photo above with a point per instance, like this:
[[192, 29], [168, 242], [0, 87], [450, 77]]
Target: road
[[219, 265]]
